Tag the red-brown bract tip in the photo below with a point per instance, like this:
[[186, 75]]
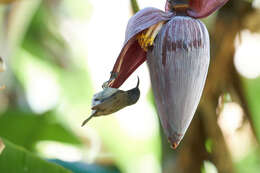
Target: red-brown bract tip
[[174, 145], [174, 140]]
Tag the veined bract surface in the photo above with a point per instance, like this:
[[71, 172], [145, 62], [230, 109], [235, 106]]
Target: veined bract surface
[[178, 65]]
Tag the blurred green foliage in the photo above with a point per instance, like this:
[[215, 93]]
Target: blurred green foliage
[[80, 167], [250, 163], [14, 159], [252, 92], [26, 129]]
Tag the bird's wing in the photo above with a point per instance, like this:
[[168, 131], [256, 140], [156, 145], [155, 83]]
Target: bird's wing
[[110, 102]]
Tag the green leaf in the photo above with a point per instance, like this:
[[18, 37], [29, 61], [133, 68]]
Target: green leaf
[[81, 167], [135, 6], [250, 163], [252, 92], [26, 129], [15, 159]]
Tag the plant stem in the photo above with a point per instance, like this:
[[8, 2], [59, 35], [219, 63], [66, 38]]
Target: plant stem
[[135, 6]]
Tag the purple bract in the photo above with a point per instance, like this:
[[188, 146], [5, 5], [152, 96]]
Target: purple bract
[[176, 46]]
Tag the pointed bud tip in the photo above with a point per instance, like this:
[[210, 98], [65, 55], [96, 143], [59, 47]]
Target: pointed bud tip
[[175, 140], [174, 145]]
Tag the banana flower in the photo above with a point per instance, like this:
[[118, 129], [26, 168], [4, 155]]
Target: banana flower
[[177, 49]]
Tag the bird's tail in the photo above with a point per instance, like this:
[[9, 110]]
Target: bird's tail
[[137, 85]]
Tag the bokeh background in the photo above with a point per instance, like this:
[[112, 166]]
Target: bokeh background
[[57, 53]]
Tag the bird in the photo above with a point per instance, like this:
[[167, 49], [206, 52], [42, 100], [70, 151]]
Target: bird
[[111, 100]]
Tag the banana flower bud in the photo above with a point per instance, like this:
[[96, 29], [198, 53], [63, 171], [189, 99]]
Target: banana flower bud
[[177, 49]]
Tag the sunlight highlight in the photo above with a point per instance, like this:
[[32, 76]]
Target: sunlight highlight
[[145, 164], [237, 131], [246, 59], [230, 118], [256, 4], [154, 3], [209, 167], [56, 150], [42, 89]]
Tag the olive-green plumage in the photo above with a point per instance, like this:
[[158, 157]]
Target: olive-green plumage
[[111, 100]]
